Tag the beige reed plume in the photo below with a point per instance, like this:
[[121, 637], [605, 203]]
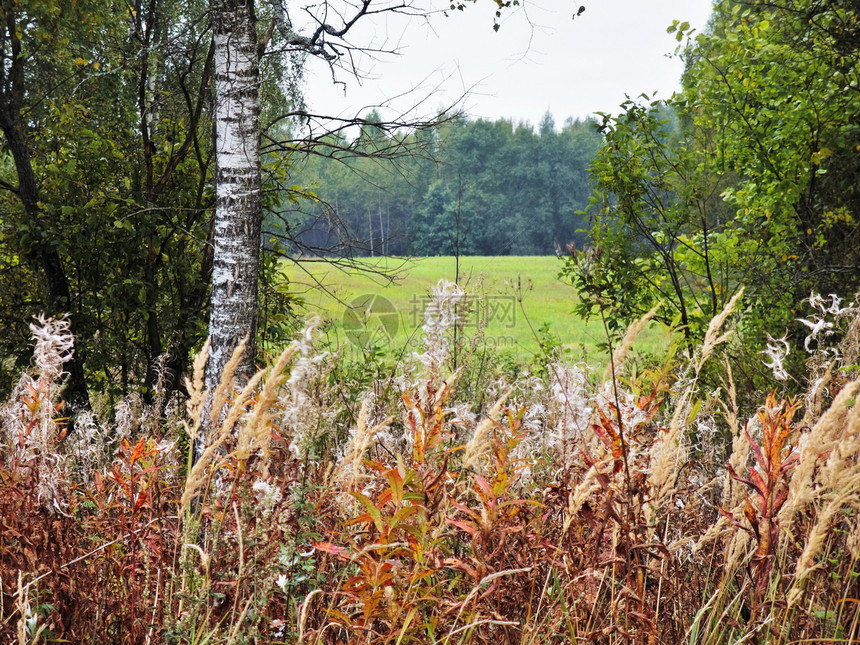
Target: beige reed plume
[[479, 445], [823, 437], [198, 476], [255, 433], [350, 466], [670, 450], [630, 336], [733, 493], [197, 398], [712, 337], [848, 495], [225, 385]]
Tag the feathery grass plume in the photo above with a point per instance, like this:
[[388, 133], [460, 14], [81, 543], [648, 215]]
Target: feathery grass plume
[[480, 443], [712, 339], [255, 433], [225, 385], [821, 533], [718, 530], [349, 467], [670, 449], [812, 445], [585, 489], [733, 491], [740, 444], [841, 463], [195, 385], [371, 433], [199, 474], [633, 331], [737, 550], [213, 401], [196, 402], [238, 408], [667, 454]]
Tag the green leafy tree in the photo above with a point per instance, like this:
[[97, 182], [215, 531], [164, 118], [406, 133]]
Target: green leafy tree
[[777, 84], [746, 178], [657, 222], [441, 228], [111, 132], [26, 31], [108, 177]]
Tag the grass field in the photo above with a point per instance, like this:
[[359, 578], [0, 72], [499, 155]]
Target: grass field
[[514, 295]]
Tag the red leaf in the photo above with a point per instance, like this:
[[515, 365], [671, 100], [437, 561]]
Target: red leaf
[[138, 451], [749, 513], [737, 477], [466, 526], [333, 549]]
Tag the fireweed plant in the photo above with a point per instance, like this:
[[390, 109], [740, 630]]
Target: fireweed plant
[[445, 500]]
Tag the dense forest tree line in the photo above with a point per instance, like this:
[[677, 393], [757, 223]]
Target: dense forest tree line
[[473, 186]]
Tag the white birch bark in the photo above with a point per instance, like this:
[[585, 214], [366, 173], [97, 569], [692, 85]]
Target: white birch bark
[[238, 207]]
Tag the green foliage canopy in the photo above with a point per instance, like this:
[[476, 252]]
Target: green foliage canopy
[[748, 177], [112, 119]]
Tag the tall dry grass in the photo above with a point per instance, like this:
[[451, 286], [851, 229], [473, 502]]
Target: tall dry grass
[[629, 508]]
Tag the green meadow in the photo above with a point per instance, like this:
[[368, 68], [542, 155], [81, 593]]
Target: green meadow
[[511, 297]]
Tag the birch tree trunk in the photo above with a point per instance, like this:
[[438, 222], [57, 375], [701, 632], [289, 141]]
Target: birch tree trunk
[[238, 207]]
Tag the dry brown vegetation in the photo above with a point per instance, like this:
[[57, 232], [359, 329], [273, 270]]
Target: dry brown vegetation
[[565, 508]]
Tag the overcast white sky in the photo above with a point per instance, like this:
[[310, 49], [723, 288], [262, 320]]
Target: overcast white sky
[[539, 60]]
